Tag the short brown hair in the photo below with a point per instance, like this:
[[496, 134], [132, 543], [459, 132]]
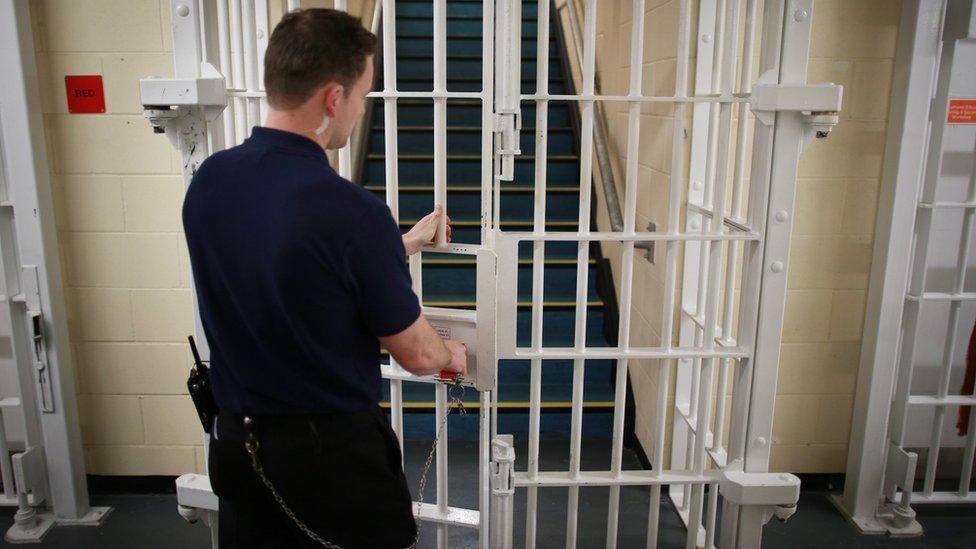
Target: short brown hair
[[310, 48]]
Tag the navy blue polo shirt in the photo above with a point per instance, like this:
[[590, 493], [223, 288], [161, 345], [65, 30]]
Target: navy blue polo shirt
[[297, 272]]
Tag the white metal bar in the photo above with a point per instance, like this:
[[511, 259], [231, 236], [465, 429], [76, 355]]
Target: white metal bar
[[236, 76], [627, 266], [223, 39], [454, 516], [6, 468], [941, 497], [582, 263], [440, 116], [538, 263], [676, 180], [913, 85], [30, 226], [294, 5], [658, 353], [637, 236], [609, 478], [487, 126], [441, 465], [943, 296], [390, 107], [698, 98], [936, 400], [484, 446], [966, 473], [251, 61], [345, 153]]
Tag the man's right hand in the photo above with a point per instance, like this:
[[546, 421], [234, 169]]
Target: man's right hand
[[459, 357]]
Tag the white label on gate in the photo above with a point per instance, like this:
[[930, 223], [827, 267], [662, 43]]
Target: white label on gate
[[443, 331]]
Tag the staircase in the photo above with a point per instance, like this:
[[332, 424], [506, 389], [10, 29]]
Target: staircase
[[448, 280]]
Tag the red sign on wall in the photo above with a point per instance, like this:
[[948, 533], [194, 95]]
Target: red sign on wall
[[85, 94], [962, 111]]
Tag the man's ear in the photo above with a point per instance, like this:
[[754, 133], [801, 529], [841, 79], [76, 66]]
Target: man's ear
[[333, 92]]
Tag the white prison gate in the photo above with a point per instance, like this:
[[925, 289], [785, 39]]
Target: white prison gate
[[736, 196], [42, 468], [920, 310]]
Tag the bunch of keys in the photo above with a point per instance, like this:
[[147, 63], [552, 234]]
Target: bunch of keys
[[456, 391]]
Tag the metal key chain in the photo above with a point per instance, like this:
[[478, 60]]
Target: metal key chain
[[252, 445]]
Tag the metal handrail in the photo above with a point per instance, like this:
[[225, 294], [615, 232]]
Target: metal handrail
[[600, 142]]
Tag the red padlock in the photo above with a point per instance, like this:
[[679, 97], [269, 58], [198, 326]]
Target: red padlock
[[444, 374]]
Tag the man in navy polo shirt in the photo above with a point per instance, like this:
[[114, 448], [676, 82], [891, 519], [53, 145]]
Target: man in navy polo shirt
[[300, 277]]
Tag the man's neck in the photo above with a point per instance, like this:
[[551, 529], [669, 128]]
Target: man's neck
[[296, 122]]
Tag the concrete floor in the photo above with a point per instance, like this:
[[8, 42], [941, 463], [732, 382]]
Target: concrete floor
[[150, 521]]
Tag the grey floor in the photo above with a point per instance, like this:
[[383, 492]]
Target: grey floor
[[151, 521]]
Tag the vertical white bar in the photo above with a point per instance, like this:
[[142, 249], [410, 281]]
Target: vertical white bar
[[913, 86], [966, 472], [484, 470], [441, 409], [718, 216], [582, 262], [345, 153], [627, 267], [396, 409], [440, 116], [676, 182], [294, 5], [487, 122], [390, 107], [223, 39], [692, 263], [237, 72], [6, 467], [251, 62], [538, 263]]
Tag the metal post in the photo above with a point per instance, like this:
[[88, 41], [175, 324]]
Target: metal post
[[29, 195]]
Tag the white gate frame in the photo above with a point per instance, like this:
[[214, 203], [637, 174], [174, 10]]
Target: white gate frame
[[48, 469], [790, 112], [934, 63]]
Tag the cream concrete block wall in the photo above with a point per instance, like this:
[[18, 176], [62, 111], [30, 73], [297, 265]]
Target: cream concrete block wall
[[853, 45], [117, 198]]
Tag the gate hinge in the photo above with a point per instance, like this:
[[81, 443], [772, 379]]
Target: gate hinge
[[818, 103], [507, 146], [502, 464], [777, 492]]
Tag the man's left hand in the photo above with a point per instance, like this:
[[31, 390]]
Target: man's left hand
[[424, 231]]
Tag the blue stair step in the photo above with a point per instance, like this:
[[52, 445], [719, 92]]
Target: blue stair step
[[469, 84], [457, 282], [460, 68], [455, 9], [464, 140], [466, 170], [462, 45], [563, 206], [462, 112], [423, 27]]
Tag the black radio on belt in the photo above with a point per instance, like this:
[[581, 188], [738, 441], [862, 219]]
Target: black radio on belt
[[200, 391]]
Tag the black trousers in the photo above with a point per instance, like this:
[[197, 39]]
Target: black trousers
[[341, 475]]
